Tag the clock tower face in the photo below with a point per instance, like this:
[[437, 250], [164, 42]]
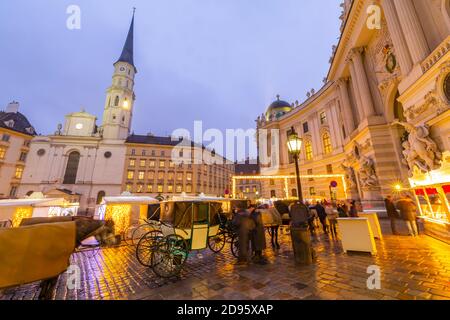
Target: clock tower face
[[122, 69]]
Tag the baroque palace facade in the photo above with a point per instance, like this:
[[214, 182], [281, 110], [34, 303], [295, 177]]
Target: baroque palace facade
[[382, 118], [83, 162]]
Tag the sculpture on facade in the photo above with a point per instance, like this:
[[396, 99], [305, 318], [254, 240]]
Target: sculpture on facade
[[420, 150], [350, 177], [367, 175], [58, 130]]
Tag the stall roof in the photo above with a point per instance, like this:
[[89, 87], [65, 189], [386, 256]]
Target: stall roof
[[197, 199], [46, 202], [129, 200]]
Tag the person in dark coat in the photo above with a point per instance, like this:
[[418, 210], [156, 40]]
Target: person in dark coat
[[244, 224], [408, 212], [257, 236], [301, 240], [392, 213], [353, 212], [322, 216]]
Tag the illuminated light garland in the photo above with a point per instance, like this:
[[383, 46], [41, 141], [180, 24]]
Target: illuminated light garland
[[120, 214], [20, 214]]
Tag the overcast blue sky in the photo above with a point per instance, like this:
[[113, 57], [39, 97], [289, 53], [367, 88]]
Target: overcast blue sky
[[220, 61]]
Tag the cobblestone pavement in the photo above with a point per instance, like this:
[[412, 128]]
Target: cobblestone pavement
[[410, 269]]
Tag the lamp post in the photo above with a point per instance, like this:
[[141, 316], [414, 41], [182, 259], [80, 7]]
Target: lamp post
[[294, 144]]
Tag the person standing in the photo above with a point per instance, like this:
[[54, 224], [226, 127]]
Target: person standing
[[408, 211], [332, 216], [245, 225], [342, 210], [353, 212], [392, 213], [257, 236], [322, 216], [301, 240]]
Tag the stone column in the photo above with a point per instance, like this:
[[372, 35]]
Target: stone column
[[346, 108], [395, 29], [412, 29], [363, 84], [354, 80]]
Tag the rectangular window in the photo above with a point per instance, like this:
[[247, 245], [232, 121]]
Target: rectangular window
[[144, 152], [133, 152], [140, 188], [323, 117], [151, 163], [19, 173], [151, 175], [312, 191], [329, 168], [149, 188], [272, 182], [305, 127], [162, 163], [247, 190], [170, 176], [170, 188], [180, 176], [160, 188], [142, 163], [310, 173], [128, 187], [141, 175], [23, 156], [160, 175], [189, 176], [179, 188], [130, 175], [132, 162], [171, 164], [188, 188], [163, 153], [13, 192], [6, 137], [2, 152]]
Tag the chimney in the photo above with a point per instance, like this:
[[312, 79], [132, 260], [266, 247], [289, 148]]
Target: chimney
[[13, 107]]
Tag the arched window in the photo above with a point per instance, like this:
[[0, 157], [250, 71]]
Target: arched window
[[398, 109], [326, 139], [100, 196], [72, 168], [294, 193], [308, 150], [116, 102]]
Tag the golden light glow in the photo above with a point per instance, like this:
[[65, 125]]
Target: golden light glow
[[398, 187], [126, 105], [19, 214], [120, 214]]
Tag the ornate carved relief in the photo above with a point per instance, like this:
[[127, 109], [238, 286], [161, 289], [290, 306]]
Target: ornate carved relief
[[420, 150], [367, 175]]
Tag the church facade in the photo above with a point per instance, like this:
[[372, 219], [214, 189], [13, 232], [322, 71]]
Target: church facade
[[82, 161], [382, 117]]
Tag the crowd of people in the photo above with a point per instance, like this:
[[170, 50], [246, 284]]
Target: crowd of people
[[305, 220]]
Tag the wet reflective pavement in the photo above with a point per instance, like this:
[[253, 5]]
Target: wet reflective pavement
[[411, 268]]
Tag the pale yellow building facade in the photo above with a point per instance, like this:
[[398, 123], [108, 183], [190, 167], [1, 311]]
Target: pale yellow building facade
[[392, 62]]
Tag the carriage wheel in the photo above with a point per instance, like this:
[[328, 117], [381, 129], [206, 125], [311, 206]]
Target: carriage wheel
[[139, 232], [235, 246], [146, 246], [217, 242], [169, 256]]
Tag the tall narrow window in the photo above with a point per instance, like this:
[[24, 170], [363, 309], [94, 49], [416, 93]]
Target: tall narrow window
[[116, 102], [308, 150], [327, 148], [72, 168]]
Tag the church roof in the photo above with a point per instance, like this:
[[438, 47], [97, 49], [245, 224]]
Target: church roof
[[142, 139], [127, 52], [16, 121]]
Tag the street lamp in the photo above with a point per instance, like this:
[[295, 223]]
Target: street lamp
[[294, 144]]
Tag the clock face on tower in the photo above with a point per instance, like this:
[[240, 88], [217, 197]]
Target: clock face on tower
[[122, 69]]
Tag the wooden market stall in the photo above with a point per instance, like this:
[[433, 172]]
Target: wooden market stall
[[18, 209], [432, 193], [124, 210]]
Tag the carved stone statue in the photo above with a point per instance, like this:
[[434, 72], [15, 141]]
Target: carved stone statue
[[420, 150], [58, 130], [350, 177], [367, 175]]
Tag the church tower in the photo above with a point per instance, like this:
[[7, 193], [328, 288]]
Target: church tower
[[120, 96]]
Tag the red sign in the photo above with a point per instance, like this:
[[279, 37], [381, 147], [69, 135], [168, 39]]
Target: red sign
[[446, 189], [432, 191], [227, 191], [420, 192]]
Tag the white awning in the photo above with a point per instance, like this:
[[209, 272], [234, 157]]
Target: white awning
[[129, 200], [49, 202]]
